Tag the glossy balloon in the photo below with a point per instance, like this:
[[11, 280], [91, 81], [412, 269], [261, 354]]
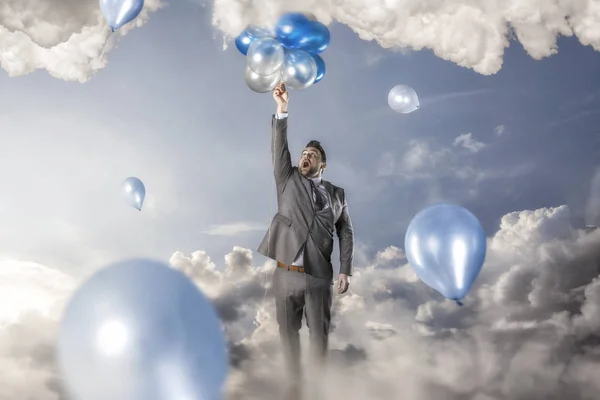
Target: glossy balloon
[[320, 68], [260, 32], [296, 31], [265, 56], [299, 69], [403, 99], [140, 330], [261, 83], [120, 12], [446, 246], [134, 191], [250, 34]]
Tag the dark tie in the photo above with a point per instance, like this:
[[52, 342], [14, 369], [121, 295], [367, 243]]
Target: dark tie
[[317, 196]]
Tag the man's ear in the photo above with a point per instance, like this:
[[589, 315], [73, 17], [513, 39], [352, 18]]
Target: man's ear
[[323, 166]]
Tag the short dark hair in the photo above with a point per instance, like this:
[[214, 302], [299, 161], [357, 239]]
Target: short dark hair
[[317, 145]]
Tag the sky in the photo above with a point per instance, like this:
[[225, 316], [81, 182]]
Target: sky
[[508, 128]]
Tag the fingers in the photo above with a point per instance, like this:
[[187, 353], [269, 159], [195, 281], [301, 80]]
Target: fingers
[[343, 286], [280, 89]]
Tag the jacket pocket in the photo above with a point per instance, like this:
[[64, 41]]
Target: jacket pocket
[[284, 220]]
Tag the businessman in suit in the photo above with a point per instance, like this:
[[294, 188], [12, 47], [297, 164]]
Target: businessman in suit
[[300, 239]]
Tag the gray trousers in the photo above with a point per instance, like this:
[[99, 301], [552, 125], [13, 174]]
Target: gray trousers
[[296, 292]]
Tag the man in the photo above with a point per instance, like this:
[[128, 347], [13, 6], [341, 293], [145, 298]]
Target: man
[[300, 239]]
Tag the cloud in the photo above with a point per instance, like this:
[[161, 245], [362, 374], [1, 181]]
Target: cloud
[[528, 329], [470, 34], [31, 300], [234, 229], [424, 159], [69, 38], [29, 286], [466, 141], [439, 173], [499, 130]]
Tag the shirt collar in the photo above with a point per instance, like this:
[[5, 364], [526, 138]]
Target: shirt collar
[[316, 181]]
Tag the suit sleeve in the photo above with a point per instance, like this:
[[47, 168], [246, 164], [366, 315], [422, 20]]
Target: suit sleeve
[[282, 160], [345, 234]]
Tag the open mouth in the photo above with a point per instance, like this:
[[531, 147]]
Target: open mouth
[[305, 164]]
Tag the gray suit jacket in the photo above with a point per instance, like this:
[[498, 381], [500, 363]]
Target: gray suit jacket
[[297, 225]]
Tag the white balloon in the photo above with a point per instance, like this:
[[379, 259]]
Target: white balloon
[[261, 83], [265, 56], [403, 99]]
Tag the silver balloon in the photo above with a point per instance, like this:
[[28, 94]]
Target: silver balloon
[[261, 83], [403, 99], [265, 56], [299, 69]]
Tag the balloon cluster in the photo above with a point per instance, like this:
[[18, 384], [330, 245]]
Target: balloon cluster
[[288, 53], [120, 12]]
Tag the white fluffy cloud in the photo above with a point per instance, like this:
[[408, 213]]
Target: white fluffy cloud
[[528, 329], [31, 299], [68, 38], [472, 34]]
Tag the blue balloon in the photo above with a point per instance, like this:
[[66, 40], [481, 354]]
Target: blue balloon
[[140, 330], [134, 191], [243, 41], [120, 12], [320, 68], [297, 32], [446, 246], [250, 34]]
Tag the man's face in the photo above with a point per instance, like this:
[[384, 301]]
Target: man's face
[[310, 162]]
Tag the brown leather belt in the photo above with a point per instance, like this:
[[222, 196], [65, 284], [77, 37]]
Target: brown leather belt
[[290, 267]]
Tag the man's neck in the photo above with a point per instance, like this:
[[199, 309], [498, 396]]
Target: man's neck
[[316, 177]]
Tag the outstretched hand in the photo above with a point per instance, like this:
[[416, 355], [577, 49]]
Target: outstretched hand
[[280, 95]]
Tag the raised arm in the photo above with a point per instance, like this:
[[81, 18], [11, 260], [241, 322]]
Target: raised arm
[[282, 160], [345, 234]]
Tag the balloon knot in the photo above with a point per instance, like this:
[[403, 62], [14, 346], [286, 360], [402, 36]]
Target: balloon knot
[[459, 303]]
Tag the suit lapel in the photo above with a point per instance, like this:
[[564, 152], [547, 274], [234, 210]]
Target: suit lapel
[[306, 184], [329, 190]]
